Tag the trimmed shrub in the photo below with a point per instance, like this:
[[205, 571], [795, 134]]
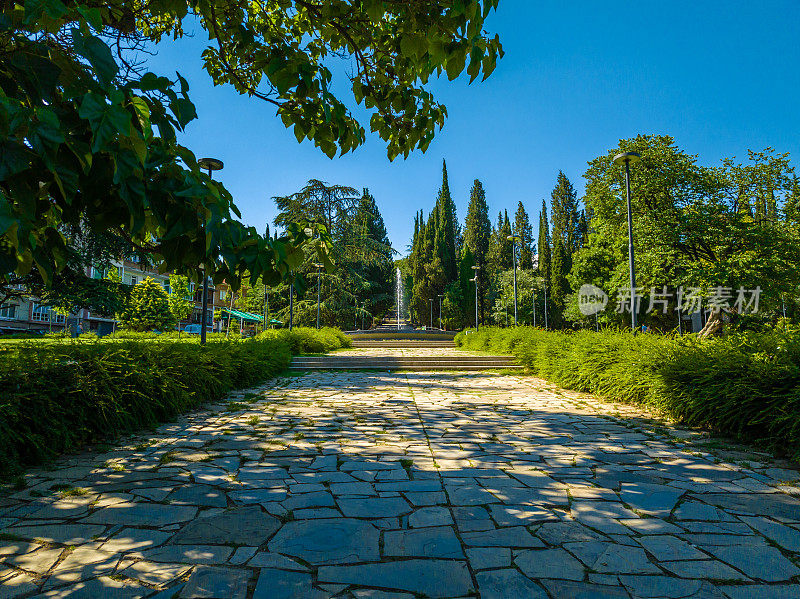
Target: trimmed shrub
[[743, 385], [57, 396], [305, 340]]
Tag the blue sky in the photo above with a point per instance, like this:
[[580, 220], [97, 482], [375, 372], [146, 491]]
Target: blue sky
[[720, 77]]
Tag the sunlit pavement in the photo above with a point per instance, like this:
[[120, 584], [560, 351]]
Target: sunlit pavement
[[400, 485]]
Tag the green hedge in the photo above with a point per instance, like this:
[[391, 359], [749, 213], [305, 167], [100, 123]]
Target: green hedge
[[57, 396], [744, 385]]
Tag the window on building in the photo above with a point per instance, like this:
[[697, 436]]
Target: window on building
[[45, 313], [167, 288], [223, 295], [134, 280], [8, 311], [98, 273]]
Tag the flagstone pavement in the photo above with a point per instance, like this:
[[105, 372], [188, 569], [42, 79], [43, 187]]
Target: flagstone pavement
[[402, 485]]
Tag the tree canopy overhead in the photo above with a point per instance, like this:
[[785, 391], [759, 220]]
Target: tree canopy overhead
[[283, 51], [88, 137]]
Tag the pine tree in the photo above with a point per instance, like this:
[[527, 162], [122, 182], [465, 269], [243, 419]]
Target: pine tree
[[523, 230], [477, 236], [147, 309], [564, 212], [583, 230]]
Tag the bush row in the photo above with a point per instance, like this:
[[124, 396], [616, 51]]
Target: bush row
[[743, 385], [55, 397]]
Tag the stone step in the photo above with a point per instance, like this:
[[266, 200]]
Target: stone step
[[402, 343], [402, 363]]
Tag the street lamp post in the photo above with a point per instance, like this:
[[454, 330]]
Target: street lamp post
[[431, 301], [513, 239], [476, 269], [534, 307], [626, 158], [210, 164], [440, 296], [318, 265], [291, 304], [546, 326]]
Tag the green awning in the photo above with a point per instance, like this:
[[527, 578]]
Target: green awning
[[246, 316]]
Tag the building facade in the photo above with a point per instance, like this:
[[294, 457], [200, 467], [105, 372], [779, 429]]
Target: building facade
[[27, 314]]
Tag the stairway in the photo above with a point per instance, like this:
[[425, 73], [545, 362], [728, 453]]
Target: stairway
[[451, 361]]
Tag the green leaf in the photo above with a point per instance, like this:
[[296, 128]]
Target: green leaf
[[14, 158], [107, 120], [97, 53], [184, 110]]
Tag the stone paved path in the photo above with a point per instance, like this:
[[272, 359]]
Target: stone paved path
[[375, 485]]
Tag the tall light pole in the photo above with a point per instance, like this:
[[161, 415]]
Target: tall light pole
[[476, 269], [431, 301], [210, 164], [291, 303], [440, 296], [626, 158], [318, 265], [513, 239], [546, 326], [534, 307]]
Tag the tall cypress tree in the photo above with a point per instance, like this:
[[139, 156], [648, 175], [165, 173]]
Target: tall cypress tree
[[523, 230], [544, 244], [477, 236], [506, 246], [564, 212], [558, 281], [445, 236]]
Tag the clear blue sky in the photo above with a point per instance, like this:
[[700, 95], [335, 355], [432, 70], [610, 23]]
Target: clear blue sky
[[720, 77]]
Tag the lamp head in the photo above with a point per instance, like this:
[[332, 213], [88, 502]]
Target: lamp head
[[629, 157], [476, 268], [211, 164]]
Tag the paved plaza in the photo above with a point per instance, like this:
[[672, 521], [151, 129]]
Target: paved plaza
[[402, 485]]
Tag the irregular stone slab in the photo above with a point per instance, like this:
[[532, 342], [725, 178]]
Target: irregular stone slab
[[328, 541], [657, 500], [694, 510], [426, 498], [763, 563], [750, 591], [129, 539], [515, 536], [308, 500], [663, 587], [280, 584], [651, 526], [194, 554], [472, 518], [265, 559], [703, 569], [142, 514], [247, 525], [611, 558], [549, 563], [359, 488], [104, 587], [666, 548], [200, 495], [156, 574], [439, 541], [558, 533], [512, 515], [430, 516], [39, 561], [430, 577], [376, 594], [17, 585], [507, 584], [785, 536], [774, 505], [83, 563], [374, 507], [469, 495], [566, 589], [213, 583], [532, 495], [65, 534], [481, 558]]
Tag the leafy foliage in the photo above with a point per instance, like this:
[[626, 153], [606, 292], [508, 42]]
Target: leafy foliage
[[148, 308], [60, 395]]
